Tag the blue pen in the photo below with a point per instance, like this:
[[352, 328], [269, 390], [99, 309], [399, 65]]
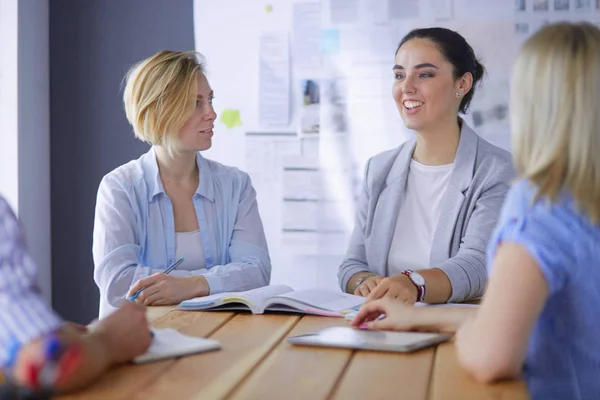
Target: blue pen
[[13, 352], [53, 348], [167, 271]]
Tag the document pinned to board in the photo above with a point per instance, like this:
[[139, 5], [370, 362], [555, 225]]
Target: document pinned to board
[[274, 80]]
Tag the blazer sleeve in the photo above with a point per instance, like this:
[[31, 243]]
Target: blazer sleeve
[[467, 269], [356, 258]]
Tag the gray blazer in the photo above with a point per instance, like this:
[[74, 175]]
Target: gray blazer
[[471, 206]]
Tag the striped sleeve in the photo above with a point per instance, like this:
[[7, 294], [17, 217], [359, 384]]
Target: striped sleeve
[[24, 315]]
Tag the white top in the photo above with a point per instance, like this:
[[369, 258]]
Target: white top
[[189, 246], [418, 217]]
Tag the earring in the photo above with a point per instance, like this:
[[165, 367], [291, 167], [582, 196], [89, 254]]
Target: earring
[[458, 94]]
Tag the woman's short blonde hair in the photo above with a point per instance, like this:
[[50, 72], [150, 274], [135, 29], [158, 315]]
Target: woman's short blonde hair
[[160, 95], [555, 115]]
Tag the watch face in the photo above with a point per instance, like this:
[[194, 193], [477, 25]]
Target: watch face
[[417, 278]]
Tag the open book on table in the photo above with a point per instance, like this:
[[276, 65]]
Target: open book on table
[[278, 298]]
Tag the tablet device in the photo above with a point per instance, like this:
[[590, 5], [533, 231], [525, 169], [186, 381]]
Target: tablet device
[[352, 338]]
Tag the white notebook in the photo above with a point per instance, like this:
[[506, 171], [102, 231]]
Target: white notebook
[[280, 298], [170, 343]]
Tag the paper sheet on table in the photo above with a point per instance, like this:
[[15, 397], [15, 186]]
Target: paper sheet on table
[[170, 343]]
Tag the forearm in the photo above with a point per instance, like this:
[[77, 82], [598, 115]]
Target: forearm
[[445, 319], [246, 274], [95, 359], [116, 281], [437, 284], [467, 274], [200, 285]]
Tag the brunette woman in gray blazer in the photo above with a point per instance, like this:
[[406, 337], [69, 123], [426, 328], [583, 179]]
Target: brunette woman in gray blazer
[[431, 204]]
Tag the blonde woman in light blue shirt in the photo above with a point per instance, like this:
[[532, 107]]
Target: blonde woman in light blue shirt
[[172, 202]]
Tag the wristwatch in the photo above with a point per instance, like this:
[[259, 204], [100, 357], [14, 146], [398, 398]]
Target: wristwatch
[[417, 280]]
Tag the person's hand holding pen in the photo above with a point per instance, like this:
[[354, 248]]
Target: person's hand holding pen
[[135, 295], [162, 289], [68, 359], [125, 333]]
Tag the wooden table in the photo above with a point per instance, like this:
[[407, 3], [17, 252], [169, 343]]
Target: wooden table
[[256, 362]]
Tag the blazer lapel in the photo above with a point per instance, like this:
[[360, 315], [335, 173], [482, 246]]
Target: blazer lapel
[[387, 208], [460, 179]]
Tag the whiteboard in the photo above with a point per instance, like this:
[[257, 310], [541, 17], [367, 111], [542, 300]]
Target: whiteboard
[[311, 84]]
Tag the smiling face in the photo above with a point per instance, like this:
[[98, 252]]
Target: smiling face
[[425, 89], [196, 134]]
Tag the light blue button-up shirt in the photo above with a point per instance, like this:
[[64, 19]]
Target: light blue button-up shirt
[[134, 230], [563, 355]]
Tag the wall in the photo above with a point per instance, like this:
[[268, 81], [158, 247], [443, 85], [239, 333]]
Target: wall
[[24, 124], [34, 135], [307, 183], [92, 43], [9, 162]]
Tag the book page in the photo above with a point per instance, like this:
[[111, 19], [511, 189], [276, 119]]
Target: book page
[[255, 296], [447, 305], [324, 299], [350, 315]]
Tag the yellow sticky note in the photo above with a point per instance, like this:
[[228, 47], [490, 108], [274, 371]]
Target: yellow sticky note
[[231, 118]]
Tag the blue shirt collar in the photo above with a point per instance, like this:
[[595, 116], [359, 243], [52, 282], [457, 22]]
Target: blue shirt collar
[[206, 188], [155, 187]]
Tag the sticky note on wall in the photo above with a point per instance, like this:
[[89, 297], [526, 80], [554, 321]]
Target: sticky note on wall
[[330, 41], [231, 118]]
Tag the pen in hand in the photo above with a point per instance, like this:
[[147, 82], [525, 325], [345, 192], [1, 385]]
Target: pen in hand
[[167, 271]]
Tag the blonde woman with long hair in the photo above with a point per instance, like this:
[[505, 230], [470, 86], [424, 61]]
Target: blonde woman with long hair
[[173, 203], [539, 314]]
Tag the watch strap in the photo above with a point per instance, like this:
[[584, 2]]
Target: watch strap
[[421, 291]]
